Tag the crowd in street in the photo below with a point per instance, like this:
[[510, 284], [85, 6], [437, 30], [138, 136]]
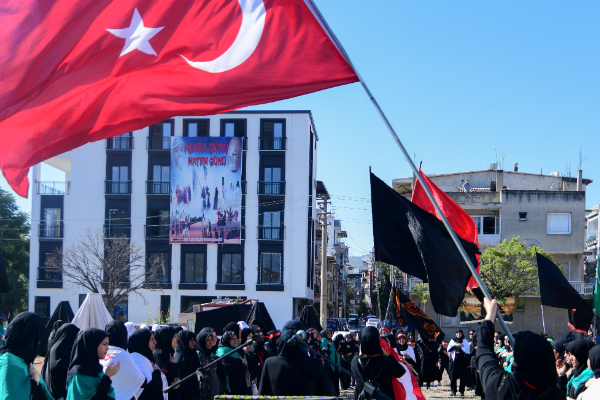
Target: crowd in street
[[122, 362]]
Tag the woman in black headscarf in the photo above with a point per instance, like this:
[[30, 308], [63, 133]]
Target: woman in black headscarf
[[293, 372], [236, 368], [166, 341], [57, 360], [260, 353], [250, 357], [375, 365], [55, 327], [592, 391], [85, 378], [18, 378], [459, 351], [578, 358], [273, 341], [533, 372], [206, 342], [141, 345], [187, 363]]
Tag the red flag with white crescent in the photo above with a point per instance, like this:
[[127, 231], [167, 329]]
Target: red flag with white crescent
[[407, 386], [77, 71]]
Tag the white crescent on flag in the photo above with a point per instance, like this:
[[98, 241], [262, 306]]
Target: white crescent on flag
[[253, 23]]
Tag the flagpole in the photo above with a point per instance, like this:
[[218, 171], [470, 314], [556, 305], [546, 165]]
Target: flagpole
[[543, 321], [416, 172]]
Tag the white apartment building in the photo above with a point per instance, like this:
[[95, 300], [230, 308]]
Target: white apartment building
[[122, 185]]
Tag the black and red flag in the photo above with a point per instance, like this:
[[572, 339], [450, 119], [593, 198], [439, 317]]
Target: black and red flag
[[408, 313], [418, 243], [556, 291]]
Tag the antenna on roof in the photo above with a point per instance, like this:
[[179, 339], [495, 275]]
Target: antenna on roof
[[582, 158]]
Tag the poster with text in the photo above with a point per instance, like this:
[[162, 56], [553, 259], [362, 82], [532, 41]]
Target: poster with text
[[206, 190]]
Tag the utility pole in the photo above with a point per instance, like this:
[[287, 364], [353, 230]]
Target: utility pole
[[378, 283], [324, 266]]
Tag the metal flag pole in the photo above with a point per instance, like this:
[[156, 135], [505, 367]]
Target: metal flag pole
[[415, 170], [543, 321]]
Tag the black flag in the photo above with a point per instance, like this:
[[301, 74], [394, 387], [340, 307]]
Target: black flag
[[556, 291], [418, 243], [4, 283], [409, 314]]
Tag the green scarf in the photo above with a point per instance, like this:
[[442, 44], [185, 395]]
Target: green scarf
[[83, 387], [583, 377], [221, 351], [14, 379], [333, 356]]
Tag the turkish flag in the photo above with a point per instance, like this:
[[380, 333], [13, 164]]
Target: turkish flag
[[459, 220], [77, 71]]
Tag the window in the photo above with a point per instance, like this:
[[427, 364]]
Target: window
[[42, 307], [271, 226], [165, 305], [121, 142], [52, 223], [487, 225], [271, 268], [193, 270], [118, 223], [161, 179], [164, 263], [451, 321], [559, 224], [121, 310], [119, 179], [231, 268], [195, 127], [47, 273], [272, 182], [188, 302], [229, 129], [272, 135], [233, 127], [522, 216], [161, 135]]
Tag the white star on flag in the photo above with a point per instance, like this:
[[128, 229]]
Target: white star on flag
[[136, 36]]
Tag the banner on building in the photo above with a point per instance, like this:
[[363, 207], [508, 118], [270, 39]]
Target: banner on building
[[206, 190]]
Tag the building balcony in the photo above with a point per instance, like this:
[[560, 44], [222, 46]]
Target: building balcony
[[158, 187], [156, 231], [51, 230], [271, 143], [117, 187], [117, 230], [119, 143], [591, 241], [271, 188], [583, 288], [160, 143], [475, 197], [49, 278], [56, 188], [271, 232]]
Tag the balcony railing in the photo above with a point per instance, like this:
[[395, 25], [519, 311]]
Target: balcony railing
[[158, 143], [49, 274], [117, 187], [117, 230], [583, 288], [158, 187], [271, 143], [157, 231], [57, 188], [270, 187], [51, 230], [271, 232], [119, 143]]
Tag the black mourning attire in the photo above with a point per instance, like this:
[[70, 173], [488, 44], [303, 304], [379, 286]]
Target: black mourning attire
[[580, 349], [57, 360], [205, 356], [186, 360], [162, 357], [235, 369], [292, 372], [139, 343]]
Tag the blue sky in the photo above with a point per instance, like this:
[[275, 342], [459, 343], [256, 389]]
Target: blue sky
[[459, 81]]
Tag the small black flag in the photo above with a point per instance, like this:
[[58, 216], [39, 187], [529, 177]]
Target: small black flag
[[556, 291], [418, 243], [409, 314], [4, 283]]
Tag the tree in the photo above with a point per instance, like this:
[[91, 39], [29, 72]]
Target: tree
[[114, 267], [14, 245], [509, 269], [422, 290], [383, 291]]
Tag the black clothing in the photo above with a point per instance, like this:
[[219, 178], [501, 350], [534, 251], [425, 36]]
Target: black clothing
[[84, 355], [594, 357], [293, 372], [23, 335], [369, 341], [56, 364], [186, 360], [429, 359], [139, 343], [213, 387], [162, 357], [580, 349], [380, 369], [559, 346], [232, 327], [533, 368], [117, 334], [458, 366], [103, 388], [235, 370], [153, 389]]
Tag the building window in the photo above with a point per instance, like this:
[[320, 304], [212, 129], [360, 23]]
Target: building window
[[160, 135], [231, 268], [51, 227], [196, 127], [193, 270], [165, 305], [121, 142], [559, 224], [46, 273], [118, 223], [271, 268], [522, 216], [188, 302], [161, 179], [121, 310], [42, 306], [119, 183], [233, 127], [272, 182], [271, 227], [487, 225], [451, 321], [164, 270], [272, 135]]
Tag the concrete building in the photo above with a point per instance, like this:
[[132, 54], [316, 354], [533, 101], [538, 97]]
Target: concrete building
[[592, 246], [122, 185], [543, 210]]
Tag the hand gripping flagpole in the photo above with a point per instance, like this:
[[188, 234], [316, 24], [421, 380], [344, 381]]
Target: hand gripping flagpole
[[415, 170]]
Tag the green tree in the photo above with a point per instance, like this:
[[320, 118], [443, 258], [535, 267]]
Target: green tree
[[384, 290], [14, 245], [363, 307], [509, 269], [422, 290]]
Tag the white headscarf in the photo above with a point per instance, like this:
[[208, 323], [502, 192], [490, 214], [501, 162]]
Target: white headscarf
[[243, 325], [155, 327], [143, 326], [130, 328]]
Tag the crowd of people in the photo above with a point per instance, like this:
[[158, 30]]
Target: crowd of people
[[121, 362]]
